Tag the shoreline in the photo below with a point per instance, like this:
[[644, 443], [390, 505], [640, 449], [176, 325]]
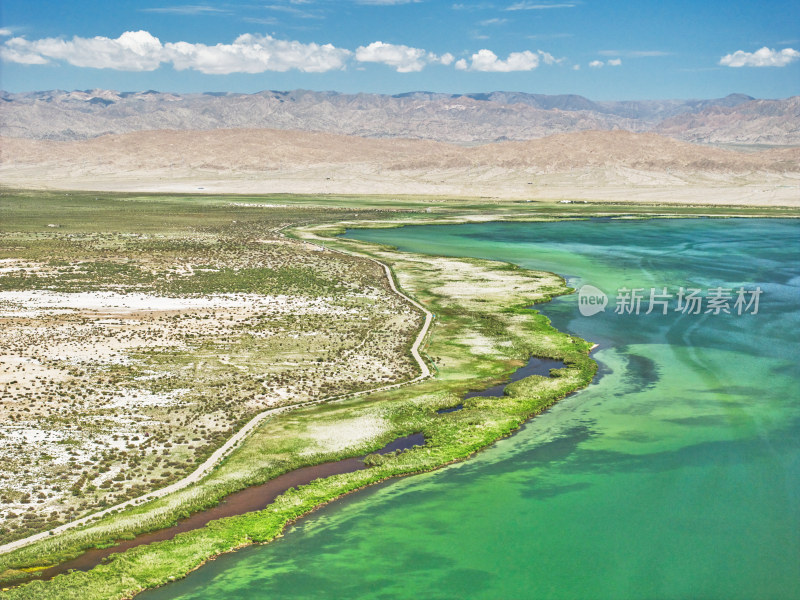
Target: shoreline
[[492, 217], [507, 435], [462, 456], [251, 499], [373, 484]]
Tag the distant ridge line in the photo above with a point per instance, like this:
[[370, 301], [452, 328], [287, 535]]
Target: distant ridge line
[[467, 118]]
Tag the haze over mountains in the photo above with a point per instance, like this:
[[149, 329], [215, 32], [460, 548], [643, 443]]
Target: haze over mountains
[[462, 118]]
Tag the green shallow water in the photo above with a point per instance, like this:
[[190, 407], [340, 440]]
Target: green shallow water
[[676, 474]]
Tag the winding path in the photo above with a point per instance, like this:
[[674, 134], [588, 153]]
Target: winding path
[[233, 442]]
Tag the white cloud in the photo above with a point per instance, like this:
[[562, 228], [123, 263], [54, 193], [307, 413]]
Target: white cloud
[[5, 32], [404, 59], [599, 64], [248, 53], [140, 51], [576, 67], [255, 54], [13, 51], [765, 57], [261, 20], [548, 58], [189, 9], [539, 5], [487, 61], [494, 21], [293, 10], [132, 51]]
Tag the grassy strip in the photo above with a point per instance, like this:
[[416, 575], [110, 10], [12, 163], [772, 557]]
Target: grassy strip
[[451, 437]]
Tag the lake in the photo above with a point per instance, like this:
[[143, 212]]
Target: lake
[[676, 474]]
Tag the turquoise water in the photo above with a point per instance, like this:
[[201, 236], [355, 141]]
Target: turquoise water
[[676, 474]]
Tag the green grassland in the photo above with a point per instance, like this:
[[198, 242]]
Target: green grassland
[[482, 332]]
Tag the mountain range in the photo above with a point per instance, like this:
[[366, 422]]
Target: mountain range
[[465, 119]]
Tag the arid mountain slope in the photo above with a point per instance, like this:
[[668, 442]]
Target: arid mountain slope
[[463, 119], [244, 150], [592, 164], [757, 122]]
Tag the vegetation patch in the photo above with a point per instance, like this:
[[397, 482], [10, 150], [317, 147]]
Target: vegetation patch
[[128, 357]]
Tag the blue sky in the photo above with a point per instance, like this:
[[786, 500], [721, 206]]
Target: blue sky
[[605, 50]]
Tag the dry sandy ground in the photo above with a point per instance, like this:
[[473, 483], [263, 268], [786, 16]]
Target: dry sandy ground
[[329, 436], [105, 394], [599, 166]]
